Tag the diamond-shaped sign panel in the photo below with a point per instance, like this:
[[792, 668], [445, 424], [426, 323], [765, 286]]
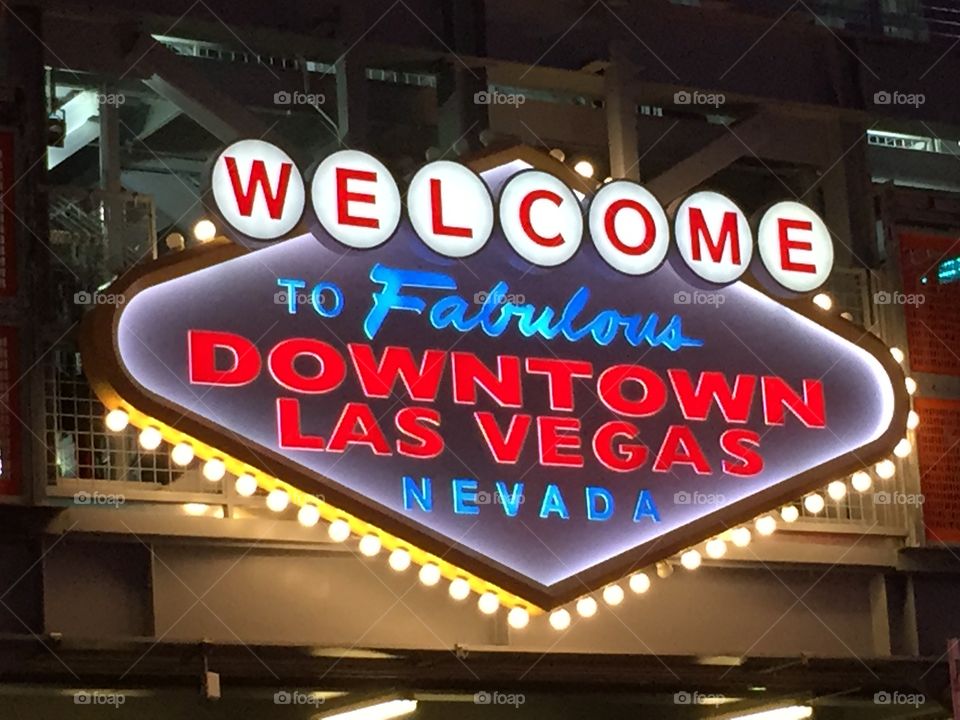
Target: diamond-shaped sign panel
[[548, 454]]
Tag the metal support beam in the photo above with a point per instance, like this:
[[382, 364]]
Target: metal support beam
[[110, 181], [621, 119]]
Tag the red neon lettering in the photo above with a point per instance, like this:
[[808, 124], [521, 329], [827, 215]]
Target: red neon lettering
[[777, 395], [258, 179], [787, 245], [623, 457], [345, 197], [554, 435], [680, 447], [331, 372], [610, 226], [610, 389], [712, 385], [729, 231], [503, 386], [202, 348], [560, 374], [358, 426], [737, 443], [526, 204], [420, 425], [436, 208], [289, 434], [505, 449], [378, 378]]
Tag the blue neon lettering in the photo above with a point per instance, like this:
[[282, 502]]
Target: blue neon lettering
[[553, 503], [316, 298], [595, 513], [389, 298], [511, 502], [291, 286], [420, 493], [465, 496], [646, 507], [494, 319]]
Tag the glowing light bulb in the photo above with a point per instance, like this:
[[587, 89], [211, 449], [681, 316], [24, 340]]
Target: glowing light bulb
[[639, 583], [897, 354], [911, 385], [489, 603], [429, 574], [369, 545], [204, 230], [789, 513], [902, 448], [766, 525], [691, 559], [913, 420], [586, 607], [560, 619], [277, 500], [196, 509], [613, 595], [740, 536], [246, 485], [715, 548], [584, 168], [823, 301], [399, 559], [339, 530], [150, 438], [837, 490], [861, 481], [308, 515], [214, 470], [518, 618], [182, 454], [117, 420], [814, 503], [459, 589], [885, 469]]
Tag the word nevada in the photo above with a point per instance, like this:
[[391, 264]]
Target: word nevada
[[261, 194]]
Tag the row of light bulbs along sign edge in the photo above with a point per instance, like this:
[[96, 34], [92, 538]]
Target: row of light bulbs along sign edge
[[279, 495]]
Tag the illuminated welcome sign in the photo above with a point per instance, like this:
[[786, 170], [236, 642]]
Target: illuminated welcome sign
[[519, 393]]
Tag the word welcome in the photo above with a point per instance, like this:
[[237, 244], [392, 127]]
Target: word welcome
[[261, 194]]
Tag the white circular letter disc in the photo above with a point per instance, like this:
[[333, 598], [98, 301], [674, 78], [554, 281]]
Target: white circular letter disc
[[450, 208], [356, 199], [258, 189], [795, 246], [629, 228], [713, 237], [541, 218]]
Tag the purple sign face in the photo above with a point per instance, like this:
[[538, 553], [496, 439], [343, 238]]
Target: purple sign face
[[545, 429]]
